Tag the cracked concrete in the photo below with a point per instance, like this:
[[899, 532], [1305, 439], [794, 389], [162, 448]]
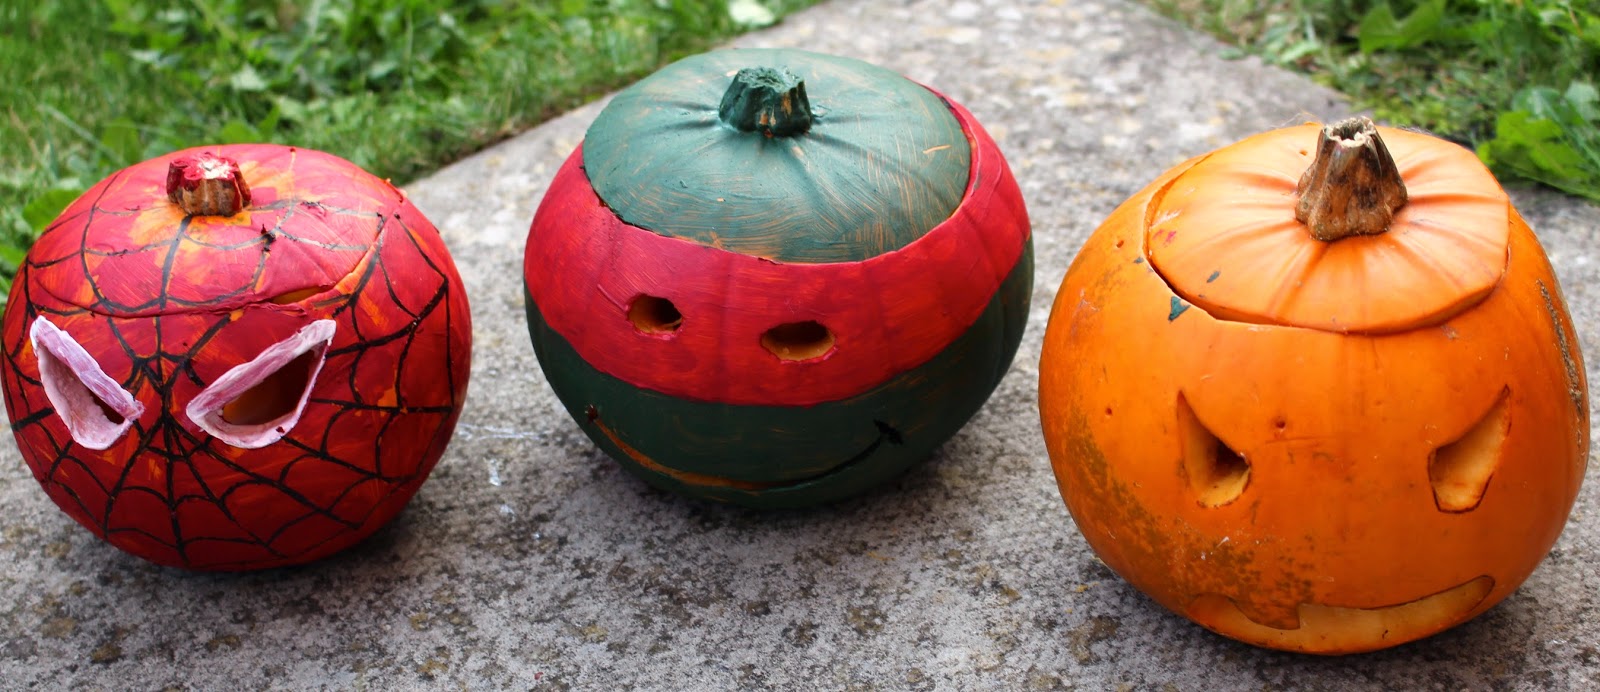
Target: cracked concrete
[[531, 561]]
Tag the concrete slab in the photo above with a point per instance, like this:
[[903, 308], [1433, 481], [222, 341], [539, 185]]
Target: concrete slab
[[531, 561]]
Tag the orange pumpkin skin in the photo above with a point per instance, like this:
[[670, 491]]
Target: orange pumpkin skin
[[1334, 539]]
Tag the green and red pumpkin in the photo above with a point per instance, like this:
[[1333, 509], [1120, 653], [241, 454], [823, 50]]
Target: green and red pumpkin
[[777, 278], [235, 357]]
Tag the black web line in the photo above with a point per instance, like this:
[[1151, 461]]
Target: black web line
[[162, 370]]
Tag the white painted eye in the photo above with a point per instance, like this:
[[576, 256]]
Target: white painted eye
[[255, 404], [95, 408]]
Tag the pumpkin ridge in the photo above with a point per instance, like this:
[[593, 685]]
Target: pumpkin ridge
[[1457, 243], [370, 204], [749, 197], [255, 299], [1289, 292], [1153, 202]]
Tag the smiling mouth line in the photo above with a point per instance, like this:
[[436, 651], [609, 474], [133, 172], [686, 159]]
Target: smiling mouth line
[[885, 434], [1317, 628]]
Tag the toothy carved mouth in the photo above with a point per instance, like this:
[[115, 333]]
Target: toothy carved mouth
[[1316, 628]]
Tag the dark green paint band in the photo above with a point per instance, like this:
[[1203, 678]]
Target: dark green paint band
[[882, 162], [811, 454]]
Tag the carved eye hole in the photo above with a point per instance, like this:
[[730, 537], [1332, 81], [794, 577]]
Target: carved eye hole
[[654, 316], [798, 340], [1217, 474], [96, 410], [1460, 471], [255, 404]]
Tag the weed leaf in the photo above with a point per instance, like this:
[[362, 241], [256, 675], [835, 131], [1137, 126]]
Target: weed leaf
[[120, 141], [1379, 30], [247, 79], [1549, 139], [42, 210]]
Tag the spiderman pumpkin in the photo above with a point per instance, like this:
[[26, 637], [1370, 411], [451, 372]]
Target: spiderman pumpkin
[[236, 357]]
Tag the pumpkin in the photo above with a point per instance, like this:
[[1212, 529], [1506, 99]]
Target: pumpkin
[[777, 278], [235, 357], [1317, 390]]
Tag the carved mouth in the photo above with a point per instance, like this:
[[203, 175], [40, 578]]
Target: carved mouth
[[1316, 628], [885, 434]]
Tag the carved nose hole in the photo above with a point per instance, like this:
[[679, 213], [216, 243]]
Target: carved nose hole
[[1460, 471], [652, 315], [798, 340], [274, 397], [1217, 474]]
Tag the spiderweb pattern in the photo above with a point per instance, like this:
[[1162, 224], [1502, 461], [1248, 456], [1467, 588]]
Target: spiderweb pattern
[[377, 420]]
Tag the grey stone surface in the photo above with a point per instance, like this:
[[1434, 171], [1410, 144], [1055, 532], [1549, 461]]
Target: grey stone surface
[[531, 561]]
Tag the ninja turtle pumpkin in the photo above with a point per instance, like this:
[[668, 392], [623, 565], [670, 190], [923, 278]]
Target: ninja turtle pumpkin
[[777, 278], [236, 357]]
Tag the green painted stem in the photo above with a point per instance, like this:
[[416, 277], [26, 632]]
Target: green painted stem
[[766, 100]]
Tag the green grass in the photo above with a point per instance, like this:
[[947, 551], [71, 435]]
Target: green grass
[[400, 87], [1514, 78]]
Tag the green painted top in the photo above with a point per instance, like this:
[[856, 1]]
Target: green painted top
[[784, 154]]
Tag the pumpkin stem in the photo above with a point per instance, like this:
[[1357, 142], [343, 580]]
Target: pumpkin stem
[[207, 185], [1353, 186], [766, 100]]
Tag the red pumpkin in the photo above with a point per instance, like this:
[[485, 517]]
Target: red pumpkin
[[1315, 397], [236, 357]]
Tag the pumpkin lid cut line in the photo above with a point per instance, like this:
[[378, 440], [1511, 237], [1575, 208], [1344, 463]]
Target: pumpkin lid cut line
[[1224, 235], [729, 149], [288, 246]]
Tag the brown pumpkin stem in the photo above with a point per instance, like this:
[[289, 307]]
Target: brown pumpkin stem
[[1353, 187], [207, 185], [766, 100]]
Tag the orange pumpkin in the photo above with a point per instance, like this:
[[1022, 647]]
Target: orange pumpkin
[[1317, 393]]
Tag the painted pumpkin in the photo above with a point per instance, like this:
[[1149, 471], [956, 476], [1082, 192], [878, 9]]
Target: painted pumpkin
[[1317, 393], [776, 278], [236, 357]]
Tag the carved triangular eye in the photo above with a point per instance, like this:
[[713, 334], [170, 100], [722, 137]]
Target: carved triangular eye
[[255, 404], [1217, 474], [1460, 471], [95, 408]]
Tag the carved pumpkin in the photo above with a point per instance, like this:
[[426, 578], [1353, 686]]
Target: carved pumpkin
[[780, 285], [1315, 396], [236, 357]]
